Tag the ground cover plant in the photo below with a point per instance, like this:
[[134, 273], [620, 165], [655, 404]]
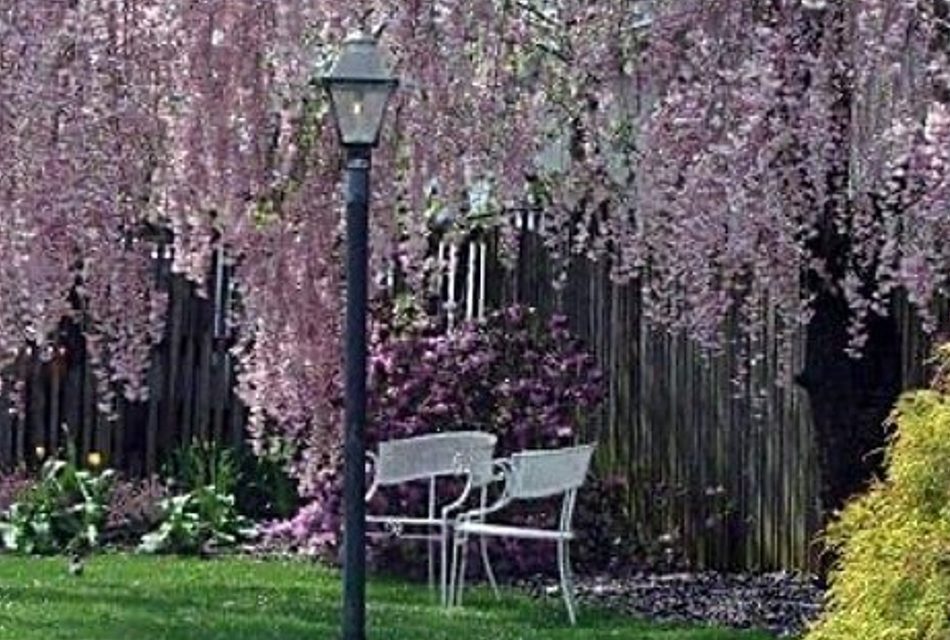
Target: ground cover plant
[[120, 597], [200, 521], [64, 511], [194, 509]]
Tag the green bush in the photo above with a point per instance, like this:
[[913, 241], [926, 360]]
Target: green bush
[[200, 521], [266, 490], [892, 577], [64, 512], [201, 464], [261, 486]]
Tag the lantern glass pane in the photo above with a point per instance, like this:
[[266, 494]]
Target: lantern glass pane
[[359, 110]]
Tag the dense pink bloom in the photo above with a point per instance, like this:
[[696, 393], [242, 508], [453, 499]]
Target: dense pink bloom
[[690, 141]]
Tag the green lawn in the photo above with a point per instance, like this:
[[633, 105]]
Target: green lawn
[[132, 598]]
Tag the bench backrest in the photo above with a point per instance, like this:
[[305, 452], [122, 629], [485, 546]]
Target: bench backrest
[[434, 455], [539, 474]]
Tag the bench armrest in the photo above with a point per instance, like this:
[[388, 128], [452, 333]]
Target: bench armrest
[[373, 461], [501, 471]]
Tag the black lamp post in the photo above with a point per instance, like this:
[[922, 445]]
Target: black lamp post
[[359, 86]]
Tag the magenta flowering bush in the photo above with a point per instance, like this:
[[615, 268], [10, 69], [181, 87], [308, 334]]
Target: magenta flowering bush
[[134, 508], [13, 487], [527, 380], [524, 379], [315, 530]]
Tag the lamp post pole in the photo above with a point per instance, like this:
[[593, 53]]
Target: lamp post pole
[[354, 483], [359, 86]]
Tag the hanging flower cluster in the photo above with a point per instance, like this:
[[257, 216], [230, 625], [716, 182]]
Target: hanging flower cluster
[[711, 149], [785, 145], [124, 116], [77, 130]]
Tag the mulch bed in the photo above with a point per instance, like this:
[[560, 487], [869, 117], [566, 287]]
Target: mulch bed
[[780, 603]]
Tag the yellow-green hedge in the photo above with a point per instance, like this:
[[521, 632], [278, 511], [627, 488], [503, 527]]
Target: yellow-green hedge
[[892, 580]]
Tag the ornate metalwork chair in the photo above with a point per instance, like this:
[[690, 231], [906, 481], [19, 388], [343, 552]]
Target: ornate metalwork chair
[[466, 455], [529, 475]]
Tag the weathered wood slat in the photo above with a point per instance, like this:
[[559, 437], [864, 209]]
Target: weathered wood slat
[[73, 395], [56, 371], [88, 415], [152, 424], [7, 457], [36, 403], [118, 433], [734, 487]]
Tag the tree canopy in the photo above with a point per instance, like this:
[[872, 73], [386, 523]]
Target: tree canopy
[[733, 157]]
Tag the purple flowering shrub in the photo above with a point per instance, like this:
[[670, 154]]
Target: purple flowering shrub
[[528, 381], [316, 528], [13, 487], [134, 509]]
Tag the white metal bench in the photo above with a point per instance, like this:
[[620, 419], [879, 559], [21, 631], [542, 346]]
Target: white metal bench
[[462, 454], [529, 475]]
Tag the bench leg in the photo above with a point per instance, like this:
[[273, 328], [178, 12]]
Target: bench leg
[[567, 583], [463, 562], [444, 565], [483, 543], [483, 547], [431, 542], [453, 576]]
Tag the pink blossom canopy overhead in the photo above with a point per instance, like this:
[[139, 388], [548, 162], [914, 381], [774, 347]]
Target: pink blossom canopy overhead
[[691, 141]]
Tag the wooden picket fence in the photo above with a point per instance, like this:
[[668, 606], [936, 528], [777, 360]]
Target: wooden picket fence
[[190, 381], [717, 475], [712, 476]]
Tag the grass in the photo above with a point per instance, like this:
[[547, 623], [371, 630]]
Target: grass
[[135, 598]]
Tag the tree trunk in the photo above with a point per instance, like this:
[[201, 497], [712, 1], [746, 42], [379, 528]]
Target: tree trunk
[[851, 400]]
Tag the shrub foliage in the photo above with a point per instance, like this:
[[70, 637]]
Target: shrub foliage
[[65, 511], [201, 521], [69, 509], [892, 578]]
